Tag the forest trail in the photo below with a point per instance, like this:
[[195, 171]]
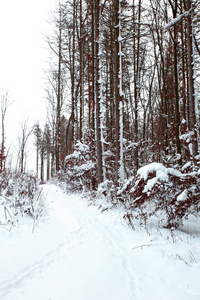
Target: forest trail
[[79, 253]]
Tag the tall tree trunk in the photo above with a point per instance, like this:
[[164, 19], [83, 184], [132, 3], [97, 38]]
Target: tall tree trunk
[[4, 103], [37, 160], [192, 108], [59, 93], [73, 75], [117, 89], [118, 94], [137, 52], [98, 93], [81, 72], [177, 104], [42, 162], [48, 164], [136, 60], [174, 6], [2, 150], [93, 62]]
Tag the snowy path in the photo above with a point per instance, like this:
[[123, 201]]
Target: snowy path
[[79, 253]]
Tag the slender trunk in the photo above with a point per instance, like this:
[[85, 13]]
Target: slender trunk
[[98, 93], [118, 94], [117, 97], [22, 159], [178, 143], [52, 163], [174, 6], [120, 54], [2, 157], [89, 63], [93, 63], [81, 73], [37, 160], [136, 58], [192, 111], [183, 74], [59, 95], [2, 150], [48, 164], [42, 163], [73, 76]]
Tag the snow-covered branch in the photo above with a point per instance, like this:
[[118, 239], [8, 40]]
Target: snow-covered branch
[[178, 19]]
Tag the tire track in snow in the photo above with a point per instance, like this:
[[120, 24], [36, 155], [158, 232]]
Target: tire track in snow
[[95, 227], [132, 278], [72, 240]]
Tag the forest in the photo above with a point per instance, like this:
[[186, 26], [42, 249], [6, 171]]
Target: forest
[[122, 91]]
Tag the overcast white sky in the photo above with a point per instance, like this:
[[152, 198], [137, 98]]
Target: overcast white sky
[[23, 59]]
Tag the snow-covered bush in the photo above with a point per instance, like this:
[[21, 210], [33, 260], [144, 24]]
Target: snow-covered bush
[[162, 192], [20, 195], [80, 166]]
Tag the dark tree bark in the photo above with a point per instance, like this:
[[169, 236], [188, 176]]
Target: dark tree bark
[[4, 106], [174, 6], [59, 93], [136, 67], [117, 96], [97, 90], [38, 137], [192, 113]]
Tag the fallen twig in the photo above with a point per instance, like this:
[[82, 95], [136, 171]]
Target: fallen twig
[[141, 246], [177, 255]]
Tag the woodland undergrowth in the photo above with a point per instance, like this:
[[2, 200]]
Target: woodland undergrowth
[[160, 194], [20, 196]]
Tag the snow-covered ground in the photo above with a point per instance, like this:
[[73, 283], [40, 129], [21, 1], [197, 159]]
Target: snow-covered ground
[[78, 252]]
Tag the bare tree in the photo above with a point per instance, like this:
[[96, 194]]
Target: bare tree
[[48, 147], [23, 139], [38, 135], [57, 78], [4, 106]]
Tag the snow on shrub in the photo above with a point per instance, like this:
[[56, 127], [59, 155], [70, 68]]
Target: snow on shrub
[[80, 166], [160, 191], [20, 195]]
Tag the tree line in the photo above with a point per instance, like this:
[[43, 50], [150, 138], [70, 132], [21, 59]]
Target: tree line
[[123, 75]]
